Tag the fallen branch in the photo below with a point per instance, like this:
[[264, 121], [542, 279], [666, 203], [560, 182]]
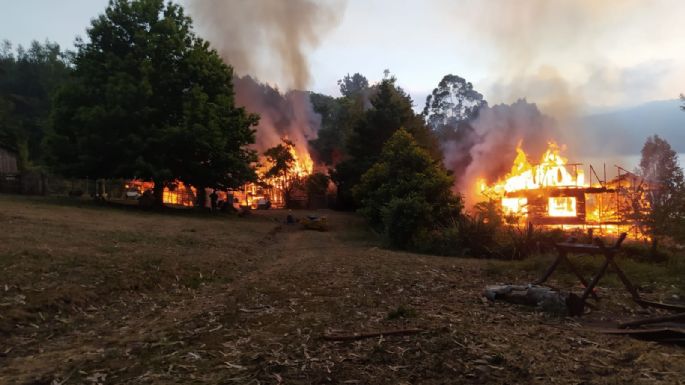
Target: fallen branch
[[361, 336], [647, 321]]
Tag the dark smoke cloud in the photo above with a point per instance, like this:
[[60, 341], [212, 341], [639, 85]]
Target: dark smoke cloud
[[268, 39]]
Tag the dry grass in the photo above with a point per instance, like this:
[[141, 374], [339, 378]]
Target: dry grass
[[94, 294]]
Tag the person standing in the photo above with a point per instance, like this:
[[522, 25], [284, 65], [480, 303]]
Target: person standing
[[213, 197]]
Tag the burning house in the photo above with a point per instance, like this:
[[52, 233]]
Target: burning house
[[274, 190], [554, 192], [271, 191]]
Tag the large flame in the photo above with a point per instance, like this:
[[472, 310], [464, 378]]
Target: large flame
[[271, 189], [551, 172], [302, 164]]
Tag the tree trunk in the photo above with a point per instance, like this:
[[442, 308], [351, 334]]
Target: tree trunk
[[652, 250], [201, 200], [158, 193], [545, 298]]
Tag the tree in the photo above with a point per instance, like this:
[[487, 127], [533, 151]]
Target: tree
[[328, 147], [316, 186], [452, 102], [278, 175], [391, 108], [28, 80], [338, 117], [666, 194], [682, 99], [406, 193], [280, 158], [151, 100], [449, 111], [353, 85]]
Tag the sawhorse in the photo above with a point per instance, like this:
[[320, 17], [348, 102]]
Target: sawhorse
[[598, 248]]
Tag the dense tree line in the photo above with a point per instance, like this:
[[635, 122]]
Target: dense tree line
[[29, 78], [150, 99]]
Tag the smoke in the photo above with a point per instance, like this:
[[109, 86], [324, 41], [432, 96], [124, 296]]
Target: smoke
[[281, 115], [489, 150], [267, 39], [541, 51], [542, 48]]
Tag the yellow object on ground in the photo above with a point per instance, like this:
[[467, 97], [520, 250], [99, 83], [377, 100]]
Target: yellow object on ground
[[312, 222]]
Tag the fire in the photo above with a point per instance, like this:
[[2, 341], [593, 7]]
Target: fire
[[555, 193], [176, 193], [552, 172], [562, 207], [302, 164], [180, 195], [272, 188]]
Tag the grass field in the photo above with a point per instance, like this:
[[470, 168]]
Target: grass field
[[95, 294]]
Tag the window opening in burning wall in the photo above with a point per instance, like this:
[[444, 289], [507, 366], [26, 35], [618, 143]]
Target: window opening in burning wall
[[515, 206], [562, 207]]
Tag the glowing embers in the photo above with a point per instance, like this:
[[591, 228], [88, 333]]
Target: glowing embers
[[562, 207], [179, 194], [514, 206]]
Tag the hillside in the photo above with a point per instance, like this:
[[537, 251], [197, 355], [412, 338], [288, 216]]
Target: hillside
[[623, 132]]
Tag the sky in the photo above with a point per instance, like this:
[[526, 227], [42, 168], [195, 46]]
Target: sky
[[567, 56]]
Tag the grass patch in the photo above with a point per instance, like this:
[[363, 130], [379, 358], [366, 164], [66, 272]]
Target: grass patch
[[669, 273]]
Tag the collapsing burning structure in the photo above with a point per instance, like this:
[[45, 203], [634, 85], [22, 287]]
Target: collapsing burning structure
[[555, 193], [274, 190], [270, 191]]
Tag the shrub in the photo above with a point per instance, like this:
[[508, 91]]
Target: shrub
[[407, 194]]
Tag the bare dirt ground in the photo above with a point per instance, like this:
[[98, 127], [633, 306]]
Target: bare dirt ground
[[116, 296]]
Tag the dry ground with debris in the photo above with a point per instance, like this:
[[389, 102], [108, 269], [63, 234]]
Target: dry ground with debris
[[107, 295]]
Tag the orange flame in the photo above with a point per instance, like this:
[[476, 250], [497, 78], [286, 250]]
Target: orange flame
[[551, 171], [252, 195], [303, 164]]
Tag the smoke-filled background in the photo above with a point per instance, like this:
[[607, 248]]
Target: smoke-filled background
[[498, 130], [281, 115], [573, 60], [268, 42]]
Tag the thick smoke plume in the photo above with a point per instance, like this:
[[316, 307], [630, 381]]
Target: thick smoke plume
[[268, 41], [538, 46], [490, 149], [281, 115], [535, 46]]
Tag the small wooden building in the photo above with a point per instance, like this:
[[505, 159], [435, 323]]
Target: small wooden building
[[9, 172], [8, 162]]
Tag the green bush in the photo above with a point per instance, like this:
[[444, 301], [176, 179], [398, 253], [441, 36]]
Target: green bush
[[407, 195], [403, 217], [439, 241]]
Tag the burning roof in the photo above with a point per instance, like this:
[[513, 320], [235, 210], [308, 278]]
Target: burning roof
[[556, 192]]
